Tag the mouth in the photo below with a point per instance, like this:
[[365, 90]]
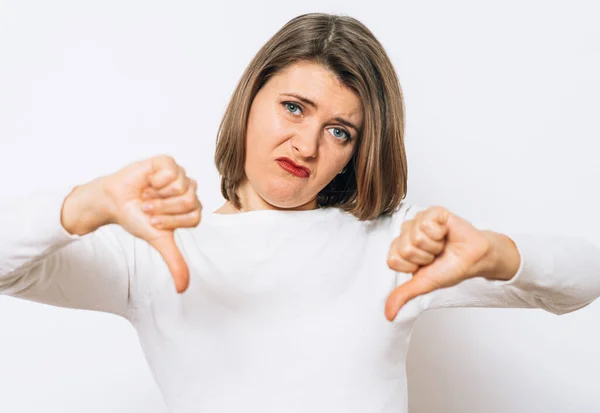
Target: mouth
[[293, 168]]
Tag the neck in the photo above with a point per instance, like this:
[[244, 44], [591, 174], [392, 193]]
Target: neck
[[252, 201]]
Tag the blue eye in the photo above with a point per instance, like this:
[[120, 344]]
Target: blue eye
[[340, 134], [290, 106]]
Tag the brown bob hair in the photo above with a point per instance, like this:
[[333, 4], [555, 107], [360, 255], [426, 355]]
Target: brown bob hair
[[375, 180]]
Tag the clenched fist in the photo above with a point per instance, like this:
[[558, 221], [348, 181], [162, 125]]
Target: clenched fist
[[440, 249], [149, 199], [154, 197]]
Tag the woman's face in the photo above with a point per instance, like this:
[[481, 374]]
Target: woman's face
[[304, 114]]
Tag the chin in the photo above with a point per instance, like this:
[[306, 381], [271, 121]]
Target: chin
[[283, 195]]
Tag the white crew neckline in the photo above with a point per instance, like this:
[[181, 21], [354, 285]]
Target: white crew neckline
[[267, 213]]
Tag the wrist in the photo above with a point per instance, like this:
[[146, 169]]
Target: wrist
[[502, 260], [86, 208]]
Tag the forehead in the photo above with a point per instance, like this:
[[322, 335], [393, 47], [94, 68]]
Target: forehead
[[319, 84]]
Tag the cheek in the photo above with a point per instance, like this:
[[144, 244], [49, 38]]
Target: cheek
[[329, 167], [264, 134], [265, 128], [336, 160]]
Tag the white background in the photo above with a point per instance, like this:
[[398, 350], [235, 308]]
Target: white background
[[502, 127]]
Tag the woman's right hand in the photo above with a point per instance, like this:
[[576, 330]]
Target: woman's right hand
[[159, 182]]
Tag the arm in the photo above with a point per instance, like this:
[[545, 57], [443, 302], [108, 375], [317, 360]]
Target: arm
[[559, 274], [78, 250], [459, 265], [41, 260]]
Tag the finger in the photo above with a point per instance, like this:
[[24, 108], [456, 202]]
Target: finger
[[164, 171], [188, 220], [163, 177], [424, 236], [397, 263], [434, 223], [168, 250], [178, 186], [413, 288], [403, 248], [173, 205]]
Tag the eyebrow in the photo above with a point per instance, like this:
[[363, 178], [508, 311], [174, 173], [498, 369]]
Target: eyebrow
[[314, 105]]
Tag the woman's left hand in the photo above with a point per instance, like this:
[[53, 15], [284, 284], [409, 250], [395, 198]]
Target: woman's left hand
[[440, 250]]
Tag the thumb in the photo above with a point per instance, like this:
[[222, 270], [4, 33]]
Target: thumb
[[167, 248], [413, 288]]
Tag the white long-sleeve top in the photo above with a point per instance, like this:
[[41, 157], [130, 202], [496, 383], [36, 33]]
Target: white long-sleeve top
[[284, 311]]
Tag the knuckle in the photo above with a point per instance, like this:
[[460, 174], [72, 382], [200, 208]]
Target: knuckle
[[189, 202], [405, 250], [178, 187], [391, 261], [165, 159], [439, 211], [419, 239], [195, 217], [168, 159], [425, 224], [164, 165], [169, 174]]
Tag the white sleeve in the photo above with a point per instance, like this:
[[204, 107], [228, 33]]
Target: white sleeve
[[40, 261], [559, 274]]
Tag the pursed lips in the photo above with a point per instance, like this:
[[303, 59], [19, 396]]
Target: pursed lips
[[293, 168]]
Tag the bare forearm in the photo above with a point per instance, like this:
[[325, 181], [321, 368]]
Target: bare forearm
[[503, 259], [86, 208]]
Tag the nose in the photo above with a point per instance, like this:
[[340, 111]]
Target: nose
[[306, 143]]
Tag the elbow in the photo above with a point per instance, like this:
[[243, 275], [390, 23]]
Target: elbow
[[566, 309]]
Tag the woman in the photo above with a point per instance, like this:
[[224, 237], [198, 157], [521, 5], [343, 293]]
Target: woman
[[300, 292]]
